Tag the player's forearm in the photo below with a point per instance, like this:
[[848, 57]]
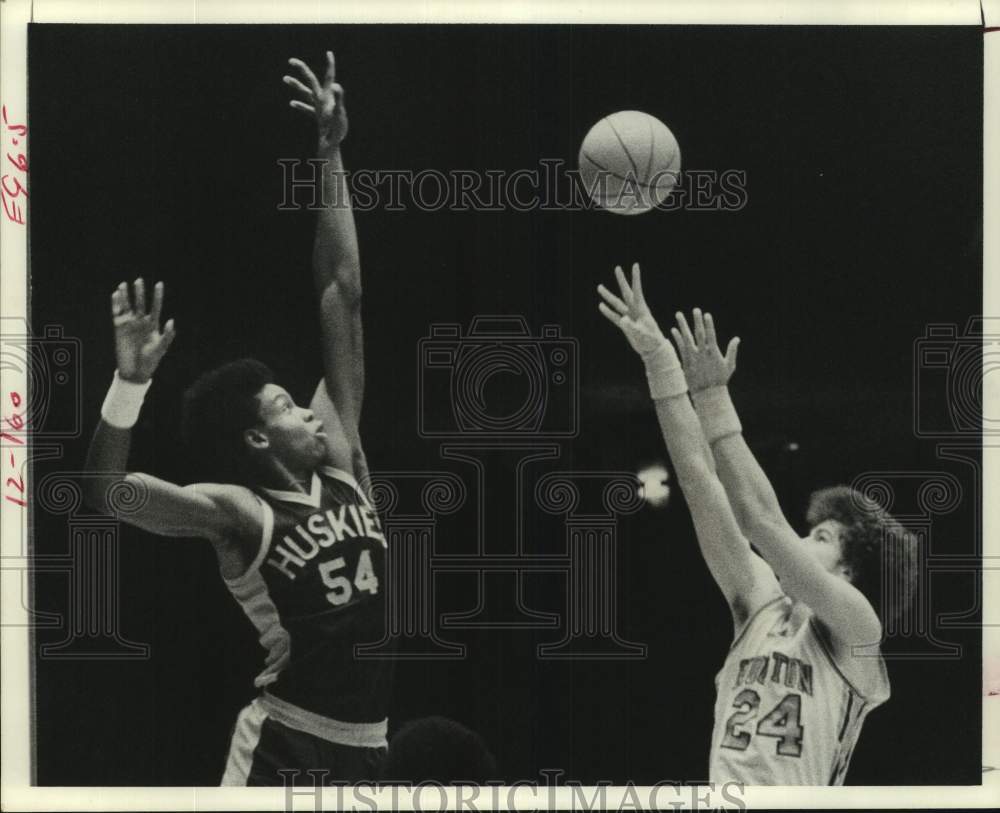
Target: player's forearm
[[336, 258], [762, 521], [337, 272], [107, 456], [683, 436], [678, 421], [163, 508], [750, 491], [722, 546], [692, 459]]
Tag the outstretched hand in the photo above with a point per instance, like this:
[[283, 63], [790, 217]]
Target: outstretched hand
[[139, 343], [704, 364], [631, 314], [324, 100]]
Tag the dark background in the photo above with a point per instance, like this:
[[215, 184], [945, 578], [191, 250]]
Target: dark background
[[153, 152]]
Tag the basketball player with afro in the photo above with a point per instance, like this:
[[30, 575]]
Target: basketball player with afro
[[298, 543], [805, 667]]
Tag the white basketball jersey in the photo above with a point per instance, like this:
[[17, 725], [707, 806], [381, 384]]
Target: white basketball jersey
[[784, 712]]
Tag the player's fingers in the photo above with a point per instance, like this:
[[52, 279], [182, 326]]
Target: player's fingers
[[613, 317], [122, 300], [685, 331], [165, 340], [710, 330], [637, 283], [306, 108], [331, 67], [338, 92], [157, 303], [307, 73], [139, 290], [699, 326], [612, 300], [623, 285], [731, 350], [682, 349], [296, 85]]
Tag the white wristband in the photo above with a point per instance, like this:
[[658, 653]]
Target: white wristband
[[717, 414], [664, 372], [122, 403]]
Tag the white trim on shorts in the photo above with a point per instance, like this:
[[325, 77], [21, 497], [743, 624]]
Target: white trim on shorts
[[356, 735], [246, 734]]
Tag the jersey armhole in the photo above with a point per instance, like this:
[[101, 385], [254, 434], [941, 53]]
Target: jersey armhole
[[751, 618], [267, 528]]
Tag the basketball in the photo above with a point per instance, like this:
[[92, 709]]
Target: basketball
[[629, 162]]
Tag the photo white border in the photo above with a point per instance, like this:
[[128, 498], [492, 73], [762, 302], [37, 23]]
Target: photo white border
[[15, 698]]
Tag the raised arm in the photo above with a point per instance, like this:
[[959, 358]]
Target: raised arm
[[216, 512], [838, 604], [335, 261], [745, 581]]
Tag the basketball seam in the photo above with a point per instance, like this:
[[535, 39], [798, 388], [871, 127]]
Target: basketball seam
[[628, 155], [613, 174], [652, 145], [673, 155]]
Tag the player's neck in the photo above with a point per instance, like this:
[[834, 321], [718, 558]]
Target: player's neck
[[276, 475]]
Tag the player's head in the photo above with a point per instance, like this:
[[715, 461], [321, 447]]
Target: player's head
[[854, 537], [236, 420], [436, 749]]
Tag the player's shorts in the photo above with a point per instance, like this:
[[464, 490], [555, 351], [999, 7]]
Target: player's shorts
[[272, 736]]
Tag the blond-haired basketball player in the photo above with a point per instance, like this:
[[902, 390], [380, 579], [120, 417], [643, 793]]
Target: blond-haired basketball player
[[804, 668]]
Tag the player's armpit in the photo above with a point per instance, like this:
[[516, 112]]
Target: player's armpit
[[763, 587]]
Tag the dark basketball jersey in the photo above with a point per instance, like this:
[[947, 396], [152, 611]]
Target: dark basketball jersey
[[784, 712], [315, 592]]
